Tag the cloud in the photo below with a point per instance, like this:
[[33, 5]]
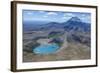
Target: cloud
[[69, 14], [84, 15], [51, 13], [45, 16]]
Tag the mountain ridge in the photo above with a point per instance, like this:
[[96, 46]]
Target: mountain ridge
[[73, 24]]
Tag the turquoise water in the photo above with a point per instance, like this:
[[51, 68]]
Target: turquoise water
[[46, 49]]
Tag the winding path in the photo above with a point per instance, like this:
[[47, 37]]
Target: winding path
[[65, 44]]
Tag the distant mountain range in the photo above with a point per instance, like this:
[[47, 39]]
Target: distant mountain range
[[73, 24]]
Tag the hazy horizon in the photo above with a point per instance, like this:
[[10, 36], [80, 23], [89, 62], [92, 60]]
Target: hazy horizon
[[53, 16]]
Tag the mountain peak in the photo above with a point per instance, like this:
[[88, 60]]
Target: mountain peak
[[76, 19], [53, 23]]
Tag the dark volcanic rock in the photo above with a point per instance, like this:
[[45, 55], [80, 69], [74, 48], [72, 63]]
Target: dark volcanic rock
[[75, 24]]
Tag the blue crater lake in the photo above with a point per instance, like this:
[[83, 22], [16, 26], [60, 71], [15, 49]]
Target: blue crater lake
[[46, 49]]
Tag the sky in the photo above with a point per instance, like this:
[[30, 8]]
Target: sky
[[54, 16]]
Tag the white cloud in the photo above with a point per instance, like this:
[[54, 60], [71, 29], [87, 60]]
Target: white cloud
[[51, 13], [69, 14], [45, 16], [83, 15]]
